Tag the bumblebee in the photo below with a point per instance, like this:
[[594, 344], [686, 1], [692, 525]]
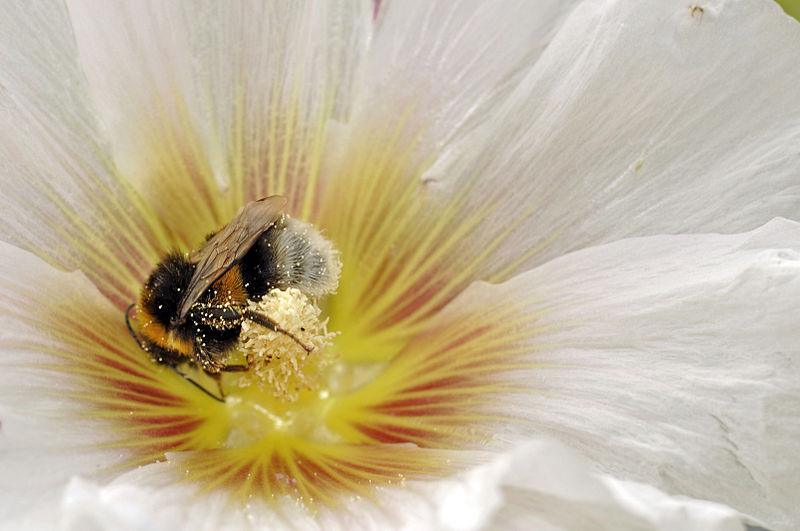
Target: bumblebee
[[192, 306]]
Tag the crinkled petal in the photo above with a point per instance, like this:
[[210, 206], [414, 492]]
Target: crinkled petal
[[640, 118], [541, 483], [170, 505], [670, 360], [436, 69], [546, 486]]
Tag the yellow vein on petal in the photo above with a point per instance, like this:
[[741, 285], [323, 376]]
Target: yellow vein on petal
[[272, 144], [428, 269], [412, 274], [310, 472], [101, 199], [171, 184], [48, 312], [380, 308], [347, 208], [301, 185], [248, 473], [454, 282], [366, 208], [438, 390], [223, 475], [377, 215], [86, 241], [112, 384], [237, 169], [297, 483], [64, 327], [219, 213], [495, 336], [309, 190], [142, 413], [176, 442], [447, 222], [337, 476], [397, 332], [205, 184], [225, 466], [181, 164], [164, 148], [290, 123], [170, 157], [98, 189], [304, 488], [96, 371]]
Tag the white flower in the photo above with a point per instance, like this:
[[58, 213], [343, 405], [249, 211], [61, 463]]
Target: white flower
[[570, 285]]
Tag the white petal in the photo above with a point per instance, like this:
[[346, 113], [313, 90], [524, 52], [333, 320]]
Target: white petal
[[540, 482], [433, 72], [555, 488], [198, 98], [448, 64], [142, 500], [639, 118], [60, 196], [671, 360], [44, 439]]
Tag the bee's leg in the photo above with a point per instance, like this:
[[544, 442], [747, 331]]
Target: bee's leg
[[266, 322], [235, 368], [172, 359], [217, 376], [206, 391], [212, 364], [219, 317]]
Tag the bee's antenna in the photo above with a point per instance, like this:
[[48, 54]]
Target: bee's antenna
[[130, 328], [266, 322]]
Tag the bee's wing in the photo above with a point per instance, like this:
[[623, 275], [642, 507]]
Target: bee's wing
[[229, 245]]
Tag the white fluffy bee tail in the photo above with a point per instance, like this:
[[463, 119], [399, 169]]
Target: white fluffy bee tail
[[304, 259]]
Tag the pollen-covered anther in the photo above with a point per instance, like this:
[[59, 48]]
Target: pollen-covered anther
[[278, 364]]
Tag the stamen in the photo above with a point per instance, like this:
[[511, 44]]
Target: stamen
[[278, 363]]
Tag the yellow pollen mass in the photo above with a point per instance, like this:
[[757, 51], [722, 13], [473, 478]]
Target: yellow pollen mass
[[278, 364]]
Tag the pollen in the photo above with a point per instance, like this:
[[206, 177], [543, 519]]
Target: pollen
[[290, 361]]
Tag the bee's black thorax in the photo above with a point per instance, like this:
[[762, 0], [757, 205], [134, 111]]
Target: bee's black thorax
[[203, 335], [162, 293]]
